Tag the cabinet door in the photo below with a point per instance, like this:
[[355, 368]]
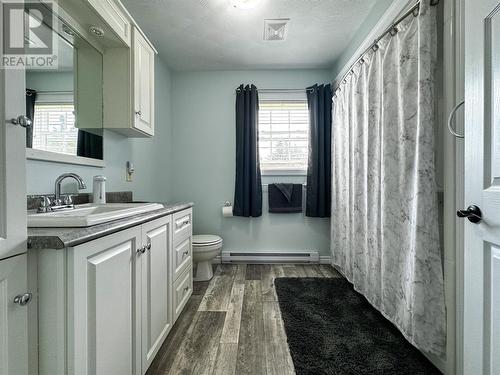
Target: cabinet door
[[104, 305], [144, 89], [156, 287], [13, 317]]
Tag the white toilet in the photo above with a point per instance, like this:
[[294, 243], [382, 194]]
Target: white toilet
[[205, 248]]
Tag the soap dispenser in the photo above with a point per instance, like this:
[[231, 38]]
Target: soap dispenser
[[99, 190]]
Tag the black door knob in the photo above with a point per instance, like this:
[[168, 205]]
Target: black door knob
[[473, 213]]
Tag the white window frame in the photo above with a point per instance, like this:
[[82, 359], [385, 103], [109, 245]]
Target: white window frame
[[283, 96]]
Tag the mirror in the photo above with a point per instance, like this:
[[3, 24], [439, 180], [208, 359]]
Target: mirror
[[66, 103]]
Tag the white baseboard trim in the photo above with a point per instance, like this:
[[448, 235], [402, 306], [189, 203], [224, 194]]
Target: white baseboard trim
[[325, 259]]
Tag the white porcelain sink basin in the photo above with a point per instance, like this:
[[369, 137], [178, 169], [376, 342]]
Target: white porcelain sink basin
[[86, 215]]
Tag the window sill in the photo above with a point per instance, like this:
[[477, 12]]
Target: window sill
[[284, 172]]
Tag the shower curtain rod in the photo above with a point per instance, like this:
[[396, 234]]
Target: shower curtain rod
[[280, 90], [374, 45]]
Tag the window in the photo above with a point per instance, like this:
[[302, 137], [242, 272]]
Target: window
[[54, 128], [283, 132]]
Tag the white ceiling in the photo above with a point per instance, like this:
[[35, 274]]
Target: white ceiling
[[214, 35]]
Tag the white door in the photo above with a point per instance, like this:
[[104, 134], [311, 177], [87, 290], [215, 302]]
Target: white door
[[156, 287], [104, 305], [482, 188], [13, 231], [144, 87]]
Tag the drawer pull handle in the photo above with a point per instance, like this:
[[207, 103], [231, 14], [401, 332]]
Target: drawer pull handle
[[181, 224]]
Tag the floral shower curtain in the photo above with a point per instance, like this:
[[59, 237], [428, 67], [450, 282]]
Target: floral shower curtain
[[385, 236]]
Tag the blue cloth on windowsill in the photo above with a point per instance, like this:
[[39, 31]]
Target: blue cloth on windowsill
[[285, 198]]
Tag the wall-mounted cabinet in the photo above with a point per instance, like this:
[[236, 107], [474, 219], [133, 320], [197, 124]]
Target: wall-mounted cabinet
[[144, 89], [128, 66], [129, 88]]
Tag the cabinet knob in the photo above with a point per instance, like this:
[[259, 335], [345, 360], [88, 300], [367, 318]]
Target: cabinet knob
[[23, 299], [138, 113], [141, 250], [148, 246], [185, 253], [186, 289]]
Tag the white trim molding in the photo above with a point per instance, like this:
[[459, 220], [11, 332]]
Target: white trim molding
[[32, 154], [325, 259]]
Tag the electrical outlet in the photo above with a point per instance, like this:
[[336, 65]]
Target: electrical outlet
[[130, 171]]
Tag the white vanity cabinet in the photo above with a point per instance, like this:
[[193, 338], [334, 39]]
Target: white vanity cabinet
[[13, 316], [182, 263], [156, 298], [106, 306]]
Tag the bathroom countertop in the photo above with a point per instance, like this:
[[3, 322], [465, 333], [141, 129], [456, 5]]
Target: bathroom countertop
[[60, 238]]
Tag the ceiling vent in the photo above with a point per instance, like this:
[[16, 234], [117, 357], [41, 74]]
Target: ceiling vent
[[276, 29]]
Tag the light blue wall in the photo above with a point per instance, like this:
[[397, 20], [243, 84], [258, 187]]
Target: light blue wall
[[150, 156], [50, 81], [368, 24], [204, 160]]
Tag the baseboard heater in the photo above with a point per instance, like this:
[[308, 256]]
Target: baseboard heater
[[270, 257]]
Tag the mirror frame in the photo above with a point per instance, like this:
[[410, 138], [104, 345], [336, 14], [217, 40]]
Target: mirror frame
[[34, 154]]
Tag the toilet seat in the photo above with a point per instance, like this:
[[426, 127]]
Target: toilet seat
[[206, 240]]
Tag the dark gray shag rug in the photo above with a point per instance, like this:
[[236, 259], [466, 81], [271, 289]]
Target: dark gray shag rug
[[332, 329]]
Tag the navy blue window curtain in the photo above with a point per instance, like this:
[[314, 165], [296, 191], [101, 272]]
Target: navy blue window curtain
[[248, 186], [30, 113], [319, 171]]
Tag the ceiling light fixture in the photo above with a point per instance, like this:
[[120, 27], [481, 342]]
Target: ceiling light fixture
[[68, 30], [96, 30], [245, 4]]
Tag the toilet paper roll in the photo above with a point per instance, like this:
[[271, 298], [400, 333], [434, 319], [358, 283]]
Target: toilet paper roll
[[227, 211]]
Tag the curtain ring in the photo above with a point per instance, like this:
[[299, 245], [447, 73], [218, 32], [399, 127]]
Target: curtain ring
[[375, 47], [451, 118], [393, 31], [416, 11]]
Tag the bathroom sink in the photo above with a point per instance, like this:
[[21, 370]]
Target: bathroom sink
[[86, 215]]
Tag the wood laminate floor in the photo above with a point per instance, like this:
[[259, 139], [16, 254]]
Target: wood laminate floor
[[232, 324]]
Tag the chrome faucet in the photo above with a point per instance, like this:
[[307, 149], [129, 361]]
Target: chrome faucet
[[59, 180]]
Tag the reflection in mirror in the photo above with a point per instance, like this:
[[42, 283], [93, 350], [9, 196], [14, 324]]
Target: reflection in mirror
[[65, 105]]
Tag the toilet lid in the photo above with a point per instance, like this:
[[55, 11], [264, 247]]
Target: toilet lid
[[206, 239]]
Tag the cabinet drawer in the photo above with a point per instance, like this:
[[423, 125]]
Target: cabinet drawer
[[183, 288], [109, 11], [183, 253], [182, 225]]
